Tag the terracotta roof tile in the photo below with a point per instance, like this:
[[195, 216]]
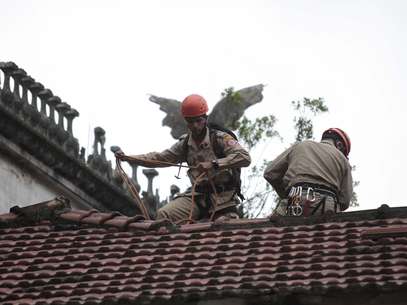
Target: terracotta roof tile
[[89, 257]]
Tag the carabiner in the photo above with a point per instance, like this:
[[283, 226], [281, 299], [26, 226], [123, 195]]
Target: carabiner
[[296, 210]]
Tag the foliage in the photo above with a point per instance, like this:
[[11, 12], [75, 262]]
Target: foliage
[[257, 191], [263, 199], [231, 95], [302, 122], [252, 132], [354, 200], [316, 106]]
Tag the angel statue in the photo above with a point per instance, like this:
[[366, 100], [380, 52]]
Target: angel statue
[[225, 113]]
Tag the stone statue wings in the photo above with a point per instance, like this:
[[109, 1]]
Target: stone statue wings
[[225, 113]]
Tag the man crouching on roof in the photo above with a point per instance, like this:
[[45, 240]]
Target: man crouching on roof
[[214, 157], [313, 178]]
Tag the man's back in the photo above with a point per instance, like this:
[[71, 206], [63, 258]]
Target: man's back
[[315, 163]]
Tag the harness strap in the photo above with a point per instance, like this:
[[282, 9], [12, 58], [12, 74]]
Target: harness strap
[[302, 200], [319, 188], [321, 204]]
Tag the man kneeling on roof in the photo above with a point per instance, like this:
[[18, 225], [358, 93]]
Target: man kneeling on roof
[[214, 157], [313, 178]]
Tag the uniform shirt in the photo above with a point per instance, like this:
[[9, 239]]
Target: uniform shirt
[[235, 156], [312, 162]]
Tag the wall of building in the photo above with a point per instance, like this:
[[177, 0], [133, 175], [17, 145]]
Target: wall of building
[[20, 187], [25, 181]]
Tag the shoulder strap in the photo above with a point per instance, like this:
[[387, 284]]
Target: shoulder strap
[[220, 153], [217, 148], [185, 145], [222, 128]]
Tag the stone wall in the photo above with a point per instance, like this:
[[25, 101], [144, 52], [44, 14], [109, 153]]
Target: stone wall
[[40, 156]]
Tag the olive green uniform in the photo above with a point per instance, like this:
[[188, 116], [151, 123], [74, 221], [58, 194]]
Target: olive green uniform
[[235, 157], [313, 163]]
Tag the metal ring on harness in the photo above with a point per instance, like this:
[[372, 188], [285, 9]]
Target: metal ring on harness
[[296, 210]]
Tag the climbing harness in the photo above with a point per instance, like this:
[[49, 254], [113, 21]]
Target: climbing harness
[[193, 204], [297, 206], [305, 196], [220, 153]]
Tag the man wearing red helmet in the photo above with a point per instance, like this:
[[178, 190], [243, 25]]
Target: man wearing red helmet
[[206, 150], [313, 178]]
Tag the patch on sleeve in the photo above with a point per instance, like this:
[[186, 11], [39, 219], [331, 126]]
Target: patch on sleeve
[[229, 140]]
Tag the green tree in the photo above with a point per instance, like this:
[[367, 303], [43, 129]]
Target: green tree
[[306, 110]]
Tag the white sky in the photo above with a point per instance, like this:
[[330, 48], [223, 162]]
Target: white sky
[[104, 57]]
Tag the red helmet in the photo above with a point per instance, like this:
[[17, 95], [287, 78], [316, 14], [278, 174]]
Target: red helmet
[[193, 105], [338, 134]]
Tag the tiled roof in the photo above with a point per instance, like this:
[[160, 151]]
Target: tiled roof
[[82, 257]]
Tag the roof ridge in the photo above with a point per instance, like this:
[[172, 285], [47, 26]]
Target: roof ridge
[[59, 212]]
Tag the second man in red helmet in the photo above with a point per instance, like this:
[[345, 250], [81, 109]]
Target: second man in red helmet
[[313, 177]]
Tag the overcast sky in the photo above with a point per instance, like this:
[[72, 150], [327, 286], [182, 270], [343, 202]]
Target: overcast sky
[[105, 57]]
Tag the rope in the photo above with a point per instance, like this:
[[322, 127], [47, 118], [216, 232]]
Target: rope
[[198, 179], [215, 206], [133, 190], [156, 162]]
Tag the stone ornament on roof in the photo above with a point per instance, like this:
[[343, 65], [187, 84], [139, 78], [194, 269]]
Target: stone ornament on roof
[[32, 103], [41, 124]]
